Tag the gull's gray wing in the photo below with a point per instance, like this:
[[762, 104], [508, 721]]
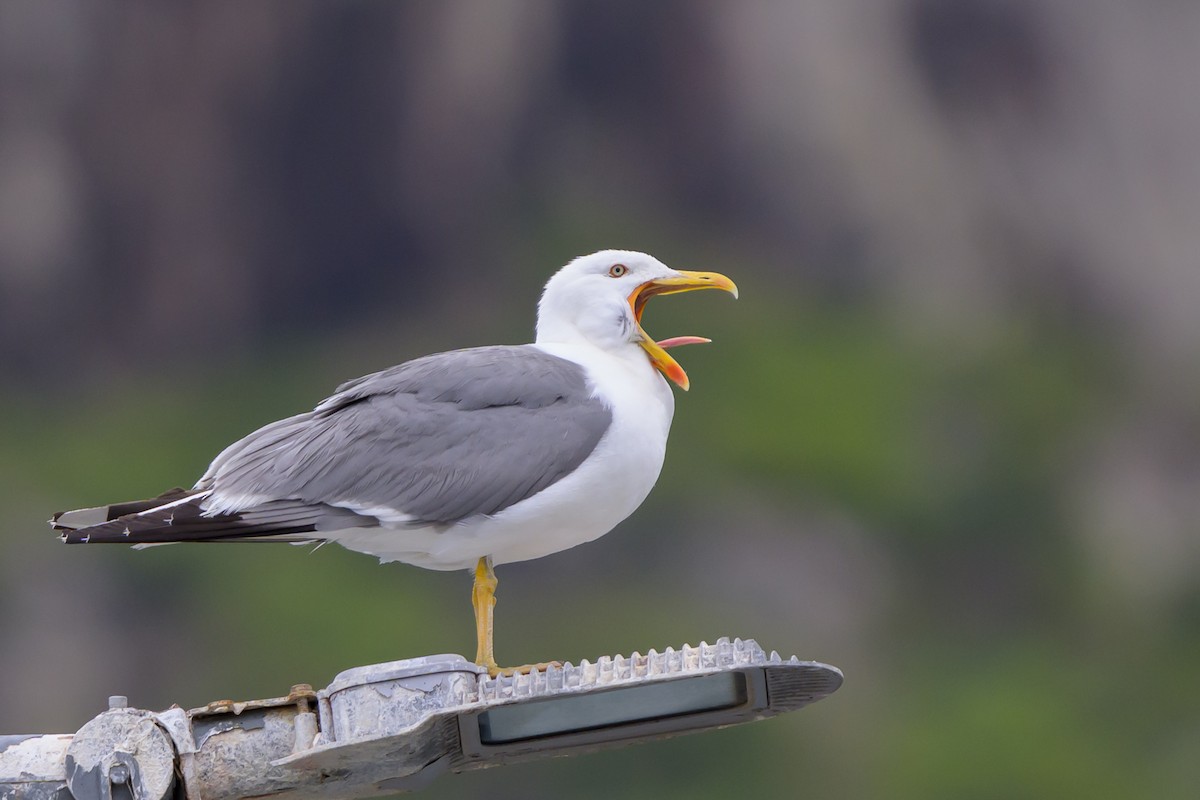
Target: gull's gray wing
[[435, 440]]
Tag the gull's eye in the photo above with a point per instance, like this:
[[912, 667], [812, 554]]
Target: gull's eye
[[617, 270]]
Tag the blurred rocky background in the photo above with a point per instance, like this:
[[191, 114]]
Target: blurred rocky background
[[949, 438]]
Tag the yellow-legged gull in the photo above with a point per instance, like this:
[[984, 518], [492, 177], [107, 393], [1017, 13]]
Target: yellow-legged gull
[[458, 460]]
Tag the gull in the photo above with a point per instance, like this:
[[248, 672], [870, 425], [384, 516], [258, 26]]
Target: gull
[[460, 460]]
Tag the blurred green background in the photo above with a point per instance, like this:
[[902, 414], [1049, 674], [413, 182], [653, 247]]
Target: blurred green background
[[948, 439]]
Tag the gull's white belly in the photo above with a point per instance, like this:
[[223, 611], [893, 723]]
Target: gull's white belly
[[605, 489]]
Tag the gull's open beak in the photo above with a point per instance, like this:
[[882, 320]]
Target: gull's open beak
[[681, 281]]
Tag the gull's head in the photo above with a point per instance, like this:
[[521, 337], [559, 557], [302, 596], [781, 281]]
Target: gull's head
[[600, 298]]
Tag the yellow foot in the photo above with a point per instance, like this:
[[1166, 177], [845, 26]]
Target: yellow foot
[[483, 598], [495, 670]]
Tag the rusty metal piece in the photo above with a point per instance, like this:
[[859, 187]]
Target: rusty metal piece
[[300, 693]]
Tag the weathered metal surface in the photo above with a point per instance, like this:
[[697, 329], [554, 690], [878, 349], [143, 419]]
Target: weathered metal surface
[[235, 753], [385, 699], [393, 725], [31, 767], [391, 728], [123, 752]]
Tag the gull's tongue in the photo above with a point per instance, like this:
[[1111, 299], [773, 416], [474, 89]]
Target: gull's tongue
[[678, 341]]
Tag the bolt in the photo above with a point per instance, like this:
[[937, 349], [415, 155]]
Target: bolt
[[118, 774], [118, 701]]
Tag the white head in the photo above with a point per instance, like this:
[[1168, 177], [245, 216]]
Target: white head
[[599, 299]]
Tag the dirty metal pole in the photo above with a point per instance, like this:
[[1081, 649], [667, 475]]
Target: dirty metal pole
[[390, 728]]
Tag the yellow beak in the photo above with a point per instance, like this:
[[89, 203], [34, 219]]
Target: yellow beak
[[682, 281]]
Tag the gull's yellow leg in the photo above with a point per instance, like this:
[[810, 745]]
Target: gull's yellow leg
[[483, 597]]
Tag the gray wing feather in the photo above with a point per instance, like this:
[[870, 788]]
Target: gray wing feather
[[442, 438]]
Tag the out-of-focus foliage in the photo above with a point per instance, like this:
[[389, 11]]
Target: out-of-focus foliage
[[947, 440]]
